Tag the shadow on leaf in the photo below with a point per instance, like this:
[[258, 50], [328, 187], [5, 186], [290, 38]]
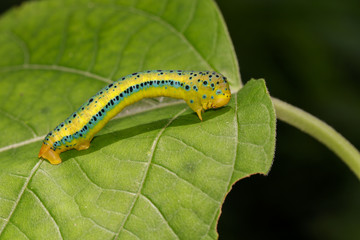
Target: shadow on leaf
[[104, 140]]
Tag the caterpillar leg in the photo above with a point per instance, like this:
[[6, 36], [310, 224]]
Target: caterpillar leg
[[196, 107], [198, 112], [47, 153], [83, 146]]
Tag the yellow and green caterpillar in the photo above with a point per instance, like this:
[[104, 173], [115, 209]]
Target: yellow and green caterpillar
[[200, 90]]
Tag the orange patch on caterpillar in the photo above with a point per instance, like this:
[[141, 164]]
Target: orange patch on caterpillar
[[47, 153]]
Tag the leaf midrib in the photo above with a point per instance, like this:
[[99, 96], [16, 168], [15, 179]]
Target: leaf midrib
[[55, 67]]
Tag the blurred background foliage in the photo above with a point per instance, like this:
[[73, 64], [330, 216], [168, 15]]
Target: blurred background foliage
[[309, 53]]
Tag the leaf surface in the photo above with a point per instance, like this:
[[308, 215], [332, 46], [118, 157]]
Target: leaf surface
[[158, 174]]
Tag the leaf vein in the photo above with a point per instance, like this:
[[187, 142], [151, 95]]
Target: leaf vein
[[163, 8], [160, 213], [23, 143], [19, 230], [16, 119], [191, 16], [198, 151], [26, 183], [123, 47], [22, 45], [172, 29], [7, 199], [186, 181], [97, 224], [91, 181], [146, 51], [53, 180], [131, 233], [64, 38], [152, 151], [55, 67], [37, 198], [214, 38]]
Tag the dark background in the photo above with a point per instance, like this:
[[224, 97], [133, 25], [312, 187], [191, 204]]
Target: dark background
[[309, 53]]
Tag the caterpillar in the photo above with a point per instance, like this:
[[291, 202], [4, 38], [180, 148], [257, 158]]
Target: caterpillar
[[200, 90]]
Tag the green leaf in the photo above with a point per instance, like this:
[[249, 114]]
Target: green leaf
[[157, 174]]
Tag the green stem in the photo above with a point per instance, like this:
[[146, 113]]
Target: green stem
[[321, 131]]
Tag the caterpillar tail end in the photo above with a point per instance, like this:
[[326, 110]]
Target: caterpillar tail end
[[47, 153]]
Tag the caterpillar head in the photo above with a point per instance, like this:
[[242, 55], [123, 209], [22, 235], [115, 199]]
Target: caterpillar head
[[214, 92], [217, 93]]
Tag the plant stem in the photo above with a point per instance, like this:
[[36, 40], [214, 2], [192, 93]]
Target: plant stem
[[321, 131]]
